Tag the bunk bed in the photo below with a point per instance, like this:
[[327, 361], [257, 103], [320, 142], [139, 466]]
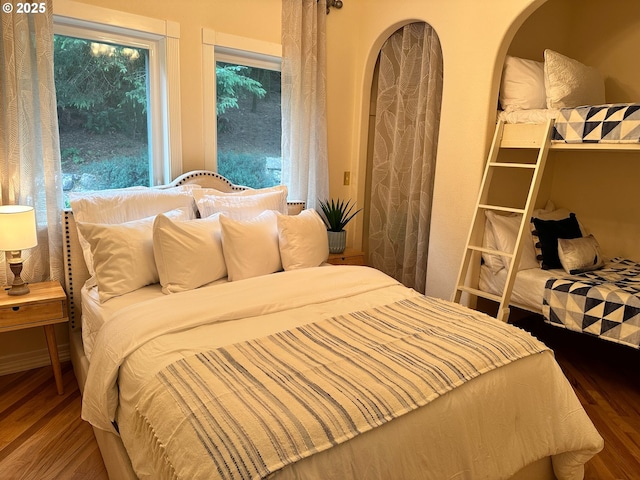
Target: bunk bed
[[253, 378], [587, 294]]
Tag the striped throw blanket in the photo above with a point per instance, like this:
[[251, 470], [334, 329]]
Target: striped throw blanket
[[251, 408]]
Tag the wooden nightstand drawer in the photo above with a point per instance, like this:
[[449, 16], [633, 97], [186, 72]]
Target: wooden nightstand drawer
[[31, 313], [348, 257]]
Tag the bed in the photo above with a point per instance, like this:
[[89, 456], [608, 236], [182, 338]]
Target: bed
[[308, 371], [570, 93], [576, 289]]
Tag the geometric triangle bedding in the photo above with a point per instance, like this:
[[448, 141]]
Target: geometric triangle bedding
[[611, 123], [604, 302]]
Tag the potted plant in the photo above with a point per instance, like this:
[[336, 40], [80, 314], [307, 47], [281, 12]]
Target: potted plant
[[336, 214]]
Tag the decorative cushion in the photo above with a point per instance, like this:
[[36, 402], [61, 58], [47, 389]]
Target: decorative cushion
[[241, 205], [123, 254], [569, 83], [546, 233], [522, 86], [188, 253], [579, 255], [302, 240], [250, 247], [124, 205]]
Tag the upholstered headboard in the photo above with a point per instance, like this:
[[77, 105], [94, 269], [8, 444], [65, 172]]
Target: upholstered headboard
[[75, 268]]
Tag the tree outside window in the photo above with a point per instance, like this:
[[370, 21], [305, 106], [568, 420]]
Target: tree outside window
[[249, 124], [102, 100]]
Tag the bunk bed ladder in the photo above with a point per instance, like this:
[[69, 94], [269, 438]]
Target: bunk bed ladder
[[514, 136]]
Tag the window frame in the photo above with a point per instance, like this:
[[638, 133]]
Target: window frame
[[224, 47], [161, 38]]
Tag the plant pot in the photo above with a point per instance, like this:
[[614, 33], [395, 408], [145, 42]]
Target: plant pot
[[337, 241]]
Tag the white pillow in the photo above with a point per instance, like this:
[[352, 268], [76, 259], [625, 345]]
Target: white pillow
[[569, 83], [522, 86], [505, 229], [123, 254], [493, 262], [302, 240], [123, 205], [250, 247], [579, 255], [188, 253], [241, 205]]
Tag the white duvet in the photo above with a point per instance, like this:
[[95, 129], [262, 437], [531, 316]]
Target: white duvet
[[491, 427]]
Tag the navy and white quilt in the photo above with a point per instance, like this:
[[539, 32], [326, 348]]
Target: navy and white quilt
[[611, 123], [605, 302]]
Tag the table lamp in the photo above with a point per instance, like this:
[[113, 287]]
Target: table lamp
[[17, 232]]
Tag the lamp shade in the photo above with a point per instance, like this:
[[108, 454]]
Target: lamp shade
[[17, 227]]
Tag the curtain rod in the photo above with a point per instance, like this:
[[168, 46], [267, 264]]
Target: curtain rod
[[333, 3]]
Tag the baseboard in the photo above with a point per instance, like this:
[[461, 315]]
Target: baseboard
[[33, 359]]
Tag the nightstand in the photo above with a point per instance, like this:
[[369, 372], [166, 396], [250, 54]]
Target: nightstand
[[348, 257], [44, 306]]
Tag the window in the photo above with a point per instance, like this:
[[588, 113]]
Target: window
[[103, 101], [114, 98], [246, 118]]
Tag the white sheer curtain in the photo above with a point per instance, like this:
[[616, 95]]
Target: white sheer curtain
[[404, 152], [29, 146], [305, 168]]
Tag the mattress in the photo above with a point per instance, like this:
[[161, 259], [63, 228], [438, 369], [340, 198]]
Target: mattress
[[528, 289], [531, 394]]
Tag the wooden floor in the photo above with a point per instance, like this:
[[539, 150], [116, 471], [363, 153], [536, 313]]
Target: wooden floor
[[42, 436]]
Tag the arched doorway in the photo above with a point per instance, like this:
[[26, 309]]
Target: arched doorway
[[404, 124]]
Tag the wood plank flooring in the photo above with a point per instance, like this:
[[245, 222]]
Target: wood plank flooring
[[42, 436]]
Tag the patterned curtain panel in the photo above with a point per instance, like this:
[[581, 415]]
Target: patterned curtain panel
[[404, 152], [305, 166], [30, 171]]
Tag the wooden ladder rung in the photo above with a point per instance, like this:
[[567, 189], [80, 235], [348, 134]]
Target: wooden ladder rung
[[479, 293], [499, 208]]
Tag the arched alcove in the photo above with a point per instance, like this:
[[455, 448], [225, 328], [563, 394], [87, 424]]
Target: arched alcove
[[599, 187]]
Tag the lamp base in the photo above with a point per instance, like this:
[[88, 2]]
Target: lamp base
[[18, 287]]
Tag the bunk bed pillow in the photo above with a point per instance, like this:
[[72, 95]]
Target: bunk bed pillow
[[493, 262], [505, 229], [522, 86], [250, 247], [546, 233], [569, 83], [188, 253], [578, 255], [302, 240]]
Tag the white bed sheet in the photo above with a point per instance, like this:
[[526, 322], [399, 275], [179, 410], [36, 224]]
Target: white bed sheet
[[528, 289], [498, 435], [95, 314], [528, 116]]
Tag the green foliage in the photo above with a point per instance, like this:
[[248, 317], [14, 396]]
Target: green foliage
[[233, 81], [72, 154], [102, 88], [245, 169], [337, 214]]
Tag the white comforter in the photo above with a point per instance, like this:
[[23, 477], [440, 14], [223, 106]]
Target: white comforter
[[489, 428]]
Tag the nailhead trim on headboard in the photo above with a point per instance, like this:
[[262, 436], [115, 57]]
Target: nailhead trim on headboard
[[68, 270]]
